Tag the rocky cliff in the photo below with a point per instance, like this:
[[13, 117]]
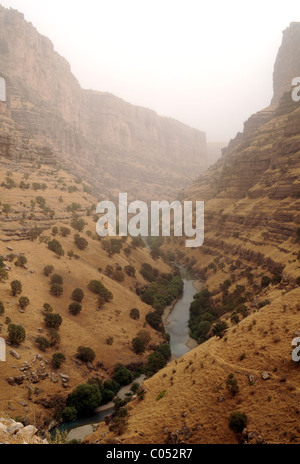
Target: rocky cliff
[[117, 145], [250, 266], [287, 65]]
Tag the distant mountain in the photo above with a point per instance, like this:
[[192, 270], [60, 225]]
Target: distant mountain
[[113, 144]]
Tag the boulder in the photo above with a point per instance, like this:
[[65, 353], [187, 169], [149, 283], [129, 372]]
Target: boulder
[[15, 354]]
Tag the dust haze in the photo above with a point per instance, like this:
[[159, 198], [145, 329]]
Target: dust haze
[[207, 64]]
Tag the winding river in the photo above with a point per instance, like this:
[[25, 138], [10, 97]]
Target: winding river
[[175, 320]]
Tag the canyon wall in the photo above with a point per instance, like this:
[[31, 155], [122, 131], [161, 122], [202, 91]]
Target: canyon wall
[[287, 65], [103, 138]]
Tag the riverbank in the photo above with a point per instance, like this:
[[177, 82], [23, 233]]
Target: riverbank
[[192, 343]]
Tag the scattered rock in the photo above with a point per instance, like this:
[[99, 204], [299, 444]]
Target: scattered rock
[[265, 376], [15, 354]]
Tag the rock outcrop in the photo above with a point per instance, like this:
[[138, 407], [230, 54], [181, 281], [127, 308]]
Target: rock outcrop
[[12, 432]]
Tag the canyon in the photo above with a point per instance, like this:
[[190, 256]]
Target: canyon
[[75, 145]]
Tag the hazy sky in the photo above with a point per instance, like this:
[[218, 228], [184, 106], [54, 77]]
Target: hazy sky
[[208, 64]]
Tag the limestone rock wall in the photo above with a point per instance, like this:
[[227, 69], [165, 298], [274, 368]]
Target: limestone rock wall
[[113, 142]]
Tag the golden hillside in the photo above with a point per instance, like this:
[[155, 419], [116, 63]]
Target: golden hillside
[[21, 213]]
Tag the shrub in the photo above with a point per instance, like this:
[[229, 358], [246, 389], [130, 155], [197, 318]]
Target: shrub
[[16, 334], [69, 414], [122, 375], [21, 261], [77, 295], [64, 231], [54, 337], [219, 329], [47, 308], [130, 271], [80, 242], [265, 281], [24, 302], [75, 308], [145, 336], [57, 360], [1, 308], [134, 314], [165, 350], [56, 279], [42, 343], [53, 321], [16, 287], [156, 362], [56, 290], [161, 395], [118, 276], [78, 224], [99, 289], [54, 231], [56, 247], [138, 345], [85, 399], [154, 320], [3, 274], [48, 270], [237, 421], [232, 385], [85, 354]]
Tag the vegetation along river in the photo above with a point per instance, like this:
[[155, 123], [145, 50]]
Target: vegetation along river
[[175, 320]]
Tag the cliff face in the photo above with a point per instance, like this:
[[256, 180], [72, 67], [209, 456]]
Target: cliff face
[[250, 265], [287, 65], [113, 142]]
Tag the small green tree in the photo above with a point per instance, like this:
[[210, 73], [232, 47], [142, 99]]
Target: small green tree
[[232, 385], [237, 421], [138, 345], [134, 314], [24, 302], [21, 261], [56, 290], [85, 354], [85, 399], [1, 308], [77, 295], [56, 279], [219, 329], [53, 321], [75, 308], [54, 337], [42, 343], [122, 375], [16, 287], [69, 414], [57, 360], [48, 270], [16, 334], [265, 281]]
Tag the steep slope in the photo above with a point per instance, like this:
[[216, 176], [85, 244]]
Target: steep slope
[[250, 265], [34, 200], [118, 145]]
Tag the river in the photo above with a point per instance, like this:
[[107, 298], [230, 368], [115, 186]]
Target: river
[[175, 320]]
